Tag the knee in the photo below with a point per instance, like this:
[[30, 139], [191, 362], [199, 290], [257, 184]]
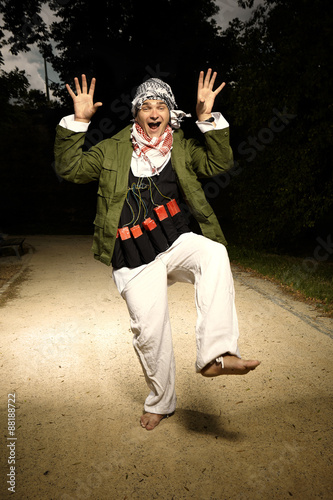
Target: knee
[[217, 252]]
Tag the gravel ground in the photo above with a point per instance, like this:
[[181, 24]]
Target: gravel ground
[[67, 358]]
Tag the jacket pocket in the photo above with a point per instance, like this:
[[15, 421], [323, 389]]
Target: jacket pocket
[[98, 234], [107, 182], [200, 207], [202, 212], [99, 221]]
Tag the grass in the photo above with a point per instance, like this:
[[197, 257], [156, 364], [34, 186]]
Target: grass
[[305, 278]]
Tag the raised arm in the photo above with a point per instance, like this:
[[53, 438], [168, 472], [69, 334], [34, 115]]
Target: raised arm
[[83, 100], [206, 95]]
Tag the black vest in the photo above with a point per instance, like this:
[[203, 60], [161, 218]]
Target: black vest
[[151, 219]]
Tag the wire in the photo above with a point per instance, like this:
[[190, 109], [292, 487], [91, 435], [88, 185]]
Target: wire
[[136, 189]]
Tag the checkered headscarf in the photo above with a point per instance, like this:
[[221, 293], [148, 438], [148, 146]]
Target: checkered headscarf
[[154, 88]]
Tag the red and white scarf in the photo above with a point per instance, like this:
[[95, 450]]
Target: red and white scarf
[[152, 149]]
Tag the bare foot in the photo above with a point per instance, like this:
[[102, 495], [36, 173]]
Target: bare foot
[[150, 420], [232, 366]]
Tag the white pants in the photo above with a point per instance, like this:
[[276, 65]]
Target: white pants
[[192, 259]]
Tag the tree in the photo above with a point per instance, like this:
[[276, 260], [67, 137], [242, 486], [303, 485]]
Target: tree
[[278, 97], [122, 43], [13, 85], [25, 25], [281, 105]]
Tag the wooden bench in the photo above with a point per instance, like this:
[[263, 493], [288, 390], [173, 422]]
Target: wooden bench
[[15, 244]]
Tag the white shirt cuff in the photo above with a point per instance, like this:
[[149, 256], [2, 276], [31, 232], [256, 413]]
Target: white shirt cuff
[[220, 123], [69, 123]]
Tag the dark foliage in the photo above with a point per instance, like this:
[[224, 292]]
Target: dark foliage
[[281, 109], [278, 103]]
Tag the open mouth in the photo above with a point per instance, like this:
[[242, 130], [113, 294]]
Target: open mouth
[[154, 125]]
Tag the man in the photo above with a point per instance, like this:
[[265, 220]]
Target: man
[[147, 174]]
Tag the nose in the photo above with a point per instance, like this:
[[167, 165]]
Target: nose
[[154, 114]]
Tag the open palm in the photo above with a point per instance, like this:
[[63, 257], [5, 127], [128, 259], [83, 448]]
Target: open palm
[[206, 95], [83, 100]]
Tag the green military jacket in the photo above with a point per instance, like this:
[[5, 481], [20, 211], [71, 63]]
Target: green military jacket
[[109, 163]]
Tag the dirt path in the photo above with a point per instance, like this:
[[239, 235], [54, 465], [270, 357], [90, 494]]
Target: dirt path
[[66, 354]]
